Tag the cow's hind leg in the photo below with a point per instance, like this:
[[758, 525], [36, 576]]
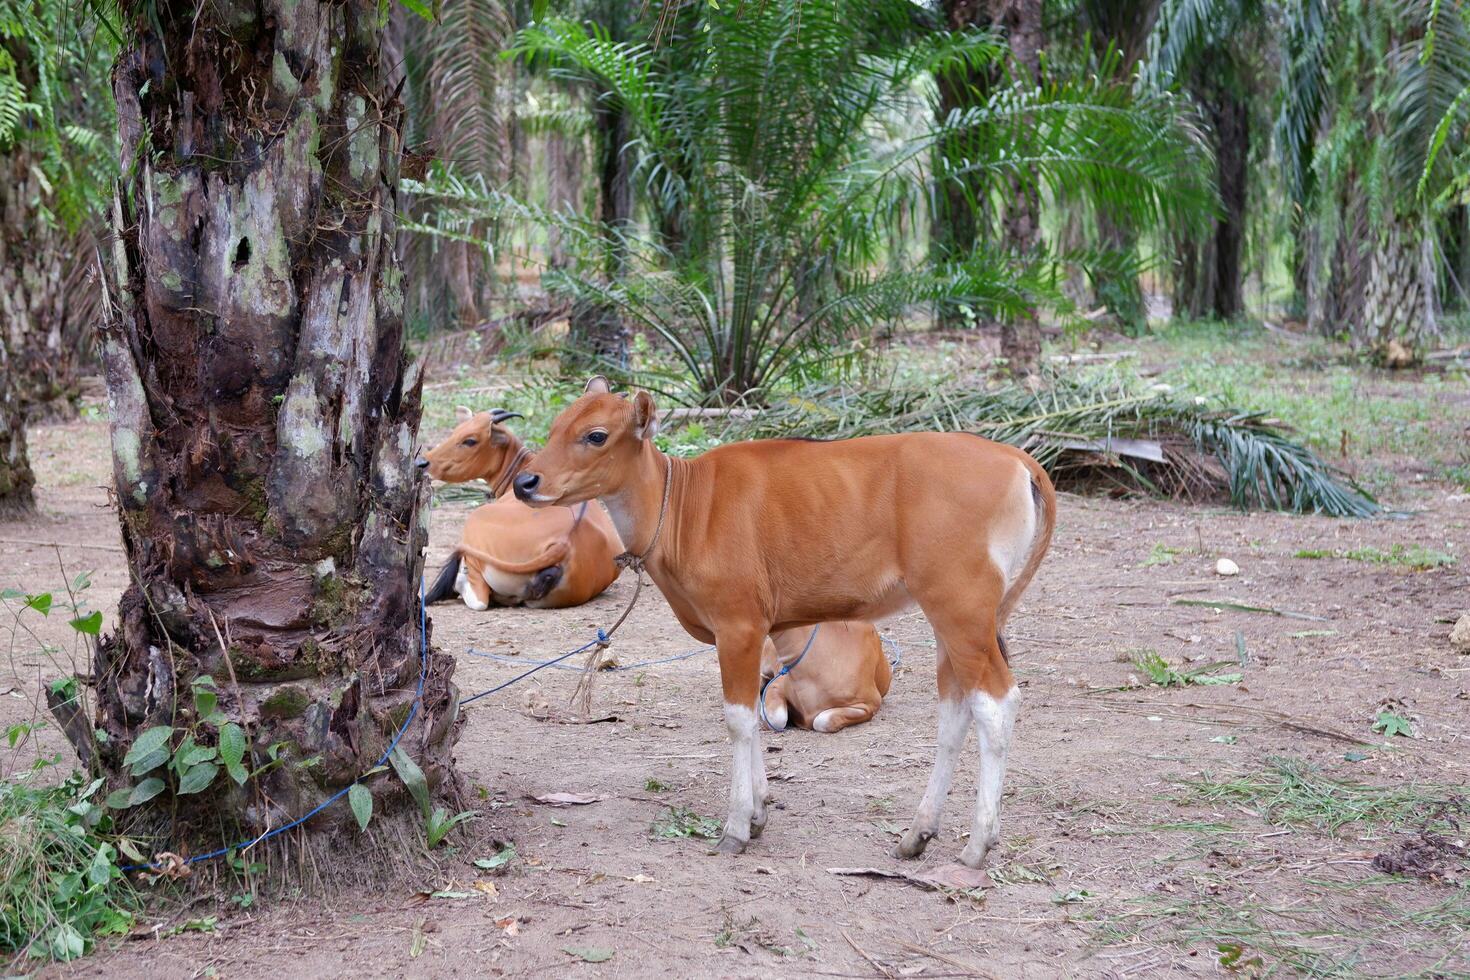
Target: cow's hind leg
[[995, 719], [984, 688], [954, 728], [739, 651], [836, 719], [470, 584]]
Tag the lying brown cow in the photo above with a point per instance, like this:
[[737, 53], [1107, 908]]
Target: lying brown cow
[[825, 678], [510, 554]]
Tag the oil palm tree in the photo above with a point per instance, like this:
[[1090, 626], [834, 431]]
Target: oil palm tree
[[56, 166], [263, 426], [1211, 50], [772, 133], [1372, 95]]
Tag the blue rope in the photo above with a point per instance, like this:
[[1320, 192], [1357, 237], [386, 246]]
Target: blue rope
[[274, 831], [559, 666], [601, 638], [782, 673], [895, 655]]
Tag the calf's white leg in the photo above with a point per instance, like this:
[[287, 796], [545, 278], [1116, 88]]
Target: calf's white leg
[[995, 719]]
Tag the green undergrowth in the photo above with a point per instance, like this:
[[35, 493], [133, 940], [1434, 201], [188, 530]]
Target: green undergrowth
[[681, 822], [1386, 927], [1329, 399], [1292, 793], [61, 885], [1415, 557]]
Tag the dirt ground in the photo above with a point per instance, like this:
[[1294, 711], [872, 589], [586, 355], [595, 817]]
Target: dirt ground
[[1117, 859]]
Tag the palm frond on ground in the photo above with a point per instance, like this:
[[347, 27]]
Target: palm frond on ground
[[1089, 429]]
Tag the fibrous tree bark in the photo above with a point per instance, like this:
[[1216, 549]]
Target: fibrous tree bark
[[263, 410]]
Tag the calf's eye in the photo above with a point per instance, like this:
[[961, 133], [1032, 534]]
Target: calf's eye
[[597, 437], [469, 443]]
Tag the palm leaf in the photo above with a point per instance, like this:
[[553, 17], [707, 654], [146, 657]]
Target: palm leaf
[[1074, 426]]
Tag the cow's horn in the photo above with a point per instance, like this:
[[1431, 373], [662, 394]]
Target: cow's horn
[[501, 414]]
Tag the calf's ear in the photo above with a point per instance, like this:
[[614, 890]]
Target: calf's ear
[[463, 413], [597, 385], [645, 415]]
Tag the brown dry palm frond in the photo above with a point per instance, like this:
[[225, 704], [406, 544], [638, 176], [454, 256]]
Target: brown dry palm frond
[[1089, 428]]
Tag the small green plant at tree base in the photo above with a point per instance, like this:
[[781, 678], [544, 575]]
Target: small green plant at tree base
[[1391, 723], [189, 767], [1415, 558], [441, 823], [1160, 673], [679, 821], [654, 786]]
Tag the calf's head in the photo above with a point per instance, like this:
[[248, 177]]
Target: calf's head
[[478, 448], [593, 449]]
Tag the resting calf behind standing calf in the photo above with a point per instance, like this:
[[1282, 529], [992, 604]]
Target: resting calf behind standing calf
[[509, 554], [837, 676], [762, 536]]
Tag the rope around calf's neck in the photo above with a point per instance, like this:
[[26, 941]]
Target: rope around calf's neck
[[582, 695]]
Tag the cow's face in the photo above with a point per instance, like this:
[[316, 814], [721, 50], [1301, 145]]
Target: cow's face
[[478, 448], [593, 448]]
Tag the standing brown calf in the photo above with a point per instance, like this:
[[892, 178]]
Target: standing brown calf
[[756, 537], [840, 678]]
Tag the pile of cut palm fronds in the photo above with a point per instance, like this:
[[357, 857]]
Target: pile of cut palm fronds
[[1089, 430]]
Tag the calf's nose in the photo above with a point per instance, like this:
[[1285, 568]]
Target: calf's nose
[[422, 463], [526, 484]]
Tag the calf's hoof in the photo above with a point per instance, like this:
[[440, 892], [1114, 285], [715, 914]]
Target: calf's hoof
[[973, 856], [913, 843], [730, 845], [757, 826]]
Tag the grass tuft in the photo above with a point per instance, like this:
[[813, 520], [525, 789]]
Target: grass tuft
[[1415, 558], [60, 884], [1293, 793]]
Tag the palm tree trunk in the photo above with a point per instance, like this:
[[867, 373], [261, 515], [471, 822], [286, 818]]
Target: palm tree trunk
[[1400, 298], [565, 162], [1020, 334], [263, 412], [955, 225], [598, 334], [39, 336], [1230, 117], [17, 482]]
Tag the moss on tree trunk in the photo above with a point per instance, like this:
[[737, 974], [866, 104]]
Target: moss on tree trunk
[[263, 411]]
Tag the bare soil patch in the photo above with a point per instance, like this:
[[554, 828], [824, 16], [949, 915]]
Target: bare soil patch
[[1147, 832]]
